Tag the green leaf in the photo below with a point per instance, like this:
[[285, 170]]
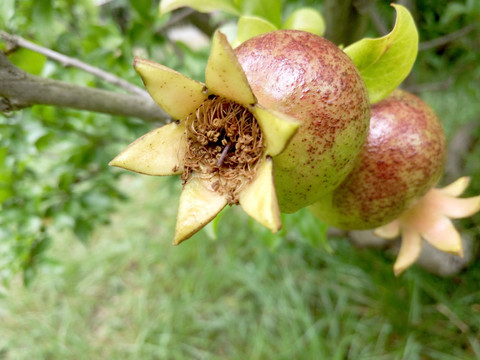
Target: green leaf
[[82, 229], [45, 141], [306, 19], [308, 229], [142, 7], [452, 12], [200, 5], [5, 193], [270, 10], [385, 62], [28, 60], [250, 26], [3, 155], [211, 229]]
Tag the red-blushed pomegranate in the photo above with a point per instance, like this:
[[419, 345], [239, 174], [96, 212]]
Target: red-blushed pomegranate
[[309, 78], [402, 159]]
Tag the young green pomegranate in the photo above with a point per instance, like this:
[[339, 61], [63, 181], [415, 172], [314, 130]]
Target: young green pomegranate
[[228, 140], [391, 186], [310, 79]]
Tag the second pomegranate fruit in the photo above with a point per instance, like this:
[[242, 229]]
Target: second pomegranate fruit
[[402, 159]]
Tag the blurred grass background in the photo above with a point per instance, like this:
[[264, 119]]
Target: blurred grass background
[[129, 294], [233, 291]]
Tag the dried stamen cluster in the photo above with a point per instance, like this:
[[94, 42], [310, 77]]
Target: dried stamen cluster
[[224, 141]]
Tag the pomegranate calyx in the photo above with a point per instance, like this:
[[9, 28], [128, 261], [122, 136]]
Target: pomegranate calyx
[[429, 218], [221, 143]]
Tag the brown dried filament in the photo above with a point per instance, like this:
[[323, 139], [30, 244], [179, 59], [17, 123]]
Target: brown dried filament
[[224, 143]]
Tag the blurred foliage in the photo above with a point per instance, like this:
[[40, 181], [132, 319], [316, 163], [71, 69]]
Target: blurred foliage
[[270, 10], [53, 174], [437, 20]]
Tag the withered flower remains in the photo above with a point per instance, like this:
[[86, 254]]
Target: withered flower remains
[[221, 142]]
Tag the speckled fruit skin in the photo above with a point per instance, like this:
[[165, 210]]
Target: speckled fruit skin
[[403, 158], [311, 79]]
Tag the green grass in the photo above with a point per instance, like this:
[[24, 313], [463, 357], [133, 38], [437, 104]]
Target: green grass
[[129, 294]]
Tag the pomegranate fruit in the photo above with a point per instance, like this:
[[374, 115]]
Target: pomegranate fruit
[[310, 79], [402, 159]]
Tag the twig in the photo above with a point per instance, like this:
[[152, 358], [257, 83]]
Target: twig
[[176, 17], [378, 20], [20, 89], [447, 38], [432, 86], [68, 61]]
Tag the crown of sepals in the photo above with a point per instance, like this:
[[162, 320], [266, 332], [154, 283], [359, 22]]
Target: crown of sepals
[[162, 151], [429, 218]]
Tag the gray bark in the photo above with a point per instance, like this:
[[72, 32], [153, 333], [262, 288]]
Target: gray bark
[[20, 89]]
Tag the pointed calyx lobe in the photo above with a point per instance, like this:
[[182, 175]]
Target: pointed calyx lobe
[[429, 218], [175, 93]]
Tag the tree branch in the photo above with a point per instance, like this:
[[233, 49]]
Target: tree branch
[[432, 86], [443, 40], [378, 21], [177, 17], [20, 89], [68, 61], [346, 20]]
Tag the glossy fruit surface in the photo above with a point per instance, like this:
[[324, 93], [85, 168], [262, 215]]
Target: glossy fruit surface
[[310, 79], [402, 159]]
